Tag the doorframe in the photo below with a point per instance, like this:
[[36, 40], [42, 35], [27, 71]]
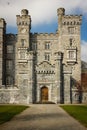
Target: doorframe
[[44, 86]]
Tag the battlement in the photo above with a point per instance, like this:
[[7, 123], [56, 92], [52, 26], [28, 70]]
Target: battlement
[[72, 19], [24, 18], [44, 36], [24, 12], [61, 11], [11, 36]]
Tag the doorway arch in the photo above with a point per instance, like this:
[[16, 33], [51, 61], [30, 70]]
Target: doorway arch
[[44, 94]]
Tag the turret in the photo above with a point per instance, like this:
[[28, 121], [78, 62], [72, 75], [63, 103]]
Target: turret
[[60, 13], [24, 26]]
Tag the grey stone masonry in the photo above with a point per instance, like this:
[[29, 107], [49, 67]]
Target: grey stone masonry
[[41, 67]]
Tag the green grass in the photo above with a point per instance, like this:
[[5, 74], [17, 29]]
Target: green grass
[[79, 112], [8, 111]]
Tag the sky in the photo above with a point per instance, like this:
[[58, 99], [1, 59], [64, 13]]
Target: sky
[[44, 16]]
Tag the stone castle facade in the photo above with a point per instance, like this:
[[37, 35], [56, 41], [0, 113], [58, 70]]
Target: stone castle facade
[[41, 67]]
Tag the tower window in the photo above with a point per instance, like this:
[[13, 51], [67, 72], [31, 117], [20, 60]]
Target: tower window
[[47, 46], [22, 42], [47, 56], [71, 55], [71, 30]]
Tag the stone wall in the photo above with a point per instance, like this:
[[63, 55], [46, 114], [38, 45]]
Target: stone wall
[[14, 96], [9, 95]]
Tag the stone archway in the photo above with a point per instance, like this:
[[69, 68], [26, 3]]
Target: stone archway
[[44, 94]]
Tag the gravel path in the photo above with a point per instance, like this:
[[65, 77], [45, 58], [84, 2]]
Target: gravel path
[[43, 117]]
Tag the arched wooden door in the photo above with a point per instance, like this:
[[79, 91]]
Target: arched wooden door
[[44, 94]]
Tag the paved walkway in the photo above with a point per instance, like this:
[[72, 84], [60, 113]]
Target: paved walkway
[[43, 117]]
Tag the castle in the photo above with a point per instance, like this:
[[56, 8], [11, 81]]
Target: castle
[[41, 67]]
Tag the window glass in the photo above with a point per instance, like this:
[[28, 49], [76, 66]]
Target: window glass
[[22, 42], [9, 80], [47, 46], [47, 56], [71, 30], [71, 55]]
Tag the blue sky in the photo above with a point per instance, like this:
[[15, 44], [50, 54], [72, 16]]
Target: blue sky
[[44, 16]]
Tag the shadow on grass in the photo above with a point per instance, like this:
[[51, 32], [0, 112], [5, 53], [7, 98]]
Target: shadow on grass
[[7, 112]]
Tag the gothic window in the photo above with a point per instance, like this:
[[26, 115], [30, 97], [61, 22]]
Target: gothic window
[[47, 46], [9, 80], [71, 54], [9, 64], [22, 42], [71, 30], [47, 56], [9, 48]]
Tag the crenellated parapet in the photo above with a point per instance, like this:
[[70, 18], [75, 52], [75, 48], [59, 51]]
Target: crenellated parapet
[[11, 37], [61, 11], [72, 19], [24, 18], [44, 35]]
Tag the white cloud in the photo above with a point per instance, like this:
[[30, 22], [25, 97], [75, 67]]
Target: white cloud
[[41, 11], [84, 51]]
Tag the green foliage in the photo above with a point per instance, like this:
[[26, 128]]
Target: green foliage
[[8, 111], [79, 112]]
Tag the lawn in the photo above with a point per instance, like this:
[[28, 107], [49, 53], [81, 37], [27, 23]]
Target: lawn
[[8, 111], [79, 112]]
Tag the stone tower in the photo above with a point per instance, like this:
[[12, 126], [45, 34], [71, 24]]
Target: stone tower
[[69, 38], [24, 58], [24, 26], [2, 51]]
